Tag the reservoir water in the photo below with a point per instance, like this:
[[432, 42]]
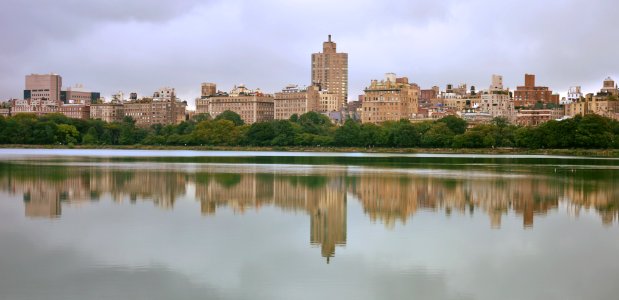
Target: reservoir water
[[123, 224]]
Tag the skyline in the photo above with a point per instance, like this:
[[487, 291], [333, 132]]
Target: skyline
[[232, 42]]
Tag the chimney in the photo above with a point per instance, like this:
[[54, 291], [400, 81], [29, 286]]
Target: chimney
[[329, 38]]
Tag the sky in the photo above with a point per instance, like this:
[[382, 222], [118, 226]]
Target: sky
[[142, 45]]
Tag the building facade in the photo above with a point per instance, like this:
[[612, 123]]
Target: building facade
[[148, 111], [162, 109], [605, 103], [293, 100], [534, 117], [329, 102], [330, 72], [594, 104], [391, 99], [38, 107], [79, 95], [108, 112], [75, 111], [252, 106]]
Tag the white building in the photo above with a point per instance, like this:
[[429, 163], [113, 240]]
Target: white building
[[573, 94]]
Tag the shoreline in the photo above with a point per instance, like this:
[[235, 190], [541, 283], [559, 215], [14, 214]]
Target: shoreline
[[496, 151]]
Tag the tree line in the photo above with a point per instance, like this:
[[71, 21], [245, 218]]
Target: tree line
[[312, 129]]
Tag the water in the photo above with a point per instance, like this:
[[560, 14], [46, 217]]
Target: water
[[104, 224]]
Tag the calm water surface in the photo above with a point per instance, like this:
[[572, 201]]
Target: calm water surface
[[105, 224]]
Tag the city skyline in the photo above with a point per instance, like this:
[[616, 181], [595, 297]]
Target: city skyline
[[140, 47]]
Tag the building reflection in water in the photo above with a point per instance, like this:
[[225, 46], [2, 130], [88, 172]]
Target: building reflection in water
[[386, 197], [322, 198]]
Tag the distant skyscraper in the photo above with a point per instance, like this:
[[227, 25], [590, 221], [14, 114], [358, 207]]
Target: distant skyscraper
[[330, 71]]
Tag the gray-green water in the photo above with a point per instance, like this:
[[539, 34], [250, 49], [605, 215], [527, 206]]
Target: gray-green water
[[95, 224]]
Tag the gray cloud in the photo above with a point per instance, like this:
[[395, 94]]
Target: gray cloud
[[141, 45]]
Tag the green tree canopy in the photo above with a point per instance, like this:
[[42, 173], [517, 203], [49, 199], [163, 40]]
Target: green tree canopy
[[456, 124], [230, 116]]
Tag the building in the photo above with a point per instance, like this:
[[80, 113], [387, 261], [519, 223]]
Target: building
[[43, 88], [530, 95], [609, 87], [574, 94], [462, 104], [118, 97], [461, 90], [497, 83], [38, 107], [163, 108], [108, 112], [605, 103], [330, 72], [329, 102], [252, 106], [391, 99], [497, 104], [496, 101], [208, 89], [534, 117], [293, 100], [429, 94], [181, 112], [354, 106], [79, 95], [5, 110], [75, 111], [594, 104], [43, 94]]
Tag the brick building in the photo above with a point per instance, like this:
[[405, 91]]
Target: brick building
[[529, 95]]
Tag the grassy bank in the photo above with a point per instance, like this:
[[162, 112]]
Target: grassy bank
[[504, 151]]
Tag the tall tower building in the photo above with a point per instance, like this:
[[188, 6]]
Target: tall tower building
[[330, 71]]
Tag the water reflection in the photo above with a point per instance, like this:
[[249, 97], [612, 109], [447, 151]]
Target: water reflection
[[388, 197]]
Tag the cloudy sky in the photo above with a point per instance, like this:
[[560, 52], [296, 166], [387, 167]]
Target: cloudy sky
[[141, 45]]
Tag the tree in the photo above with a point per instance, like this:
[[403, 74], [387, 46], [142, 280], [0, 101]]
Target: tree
[[593, 131], [438, 136], [294, 118], [315, 123], [201, 117], [402, 134], [373, 135], [455, 124], [529, 137], [285, 133], [216, 132], [91, 137], [66, 134], [349, 134], [260, 134], [230, 116]]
